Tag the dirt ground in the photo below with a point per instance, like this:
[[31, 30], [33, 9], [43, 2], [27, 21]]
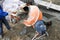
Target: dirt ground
[[54, 32], [15, 34]]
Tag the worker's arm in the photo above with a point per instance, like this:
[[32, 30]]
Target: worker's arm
[[26, 23], [3, 13], [33, 17]]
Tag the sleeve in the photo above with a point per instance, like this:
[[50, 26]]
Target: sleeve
[[30, 19], [33, 17], [4, 14]]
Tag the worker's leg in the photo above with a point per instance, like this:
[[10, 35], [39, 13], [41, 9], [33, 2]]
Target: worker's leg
[[39, 27], [1, 29], [6, 23], [35, 35]]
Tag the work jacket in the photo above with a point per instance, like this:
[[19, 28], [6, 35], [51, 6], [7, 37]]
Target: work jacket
[[34, 15], [2, 13]]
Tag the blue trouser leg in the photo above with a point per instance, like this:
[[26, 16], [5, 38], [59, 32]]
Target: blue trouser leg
[[1, 28], [6, 23], [40, 27]]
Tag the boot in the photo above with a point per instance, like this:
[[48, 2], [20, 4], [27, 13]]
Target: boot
[[0, 36]]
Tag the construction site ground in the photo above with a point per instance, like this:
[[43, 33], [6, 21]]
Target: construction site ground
[[54, 30]]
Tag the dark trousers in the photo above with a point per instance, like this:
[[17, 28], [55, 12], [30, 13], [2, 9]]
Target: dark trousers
[[4, 21], [1, 28]]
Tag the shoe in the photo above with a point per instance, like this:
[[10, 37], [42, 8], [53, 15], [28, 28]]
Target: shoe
[[46, 34], [11, 29], [0, 36]]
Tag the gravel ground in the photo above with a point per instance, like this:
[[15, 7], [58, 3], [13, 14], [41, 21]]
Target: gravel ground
[[54, 32]]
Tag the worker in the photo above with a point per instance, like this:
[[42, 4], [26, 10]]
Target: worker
[[35, 19], [3, 20]]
